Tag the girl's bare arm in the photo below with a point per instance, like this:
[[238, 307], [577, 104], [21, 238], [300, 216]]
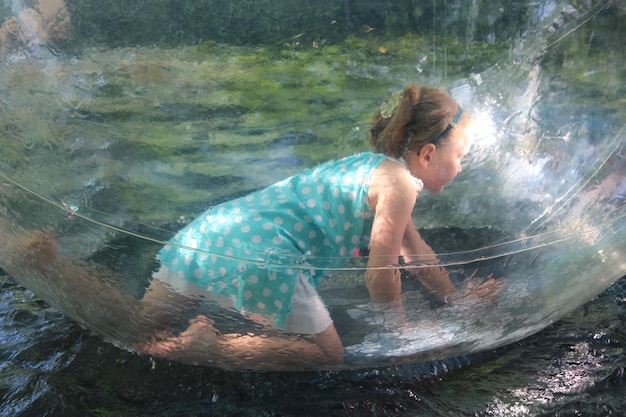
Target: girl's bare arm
[[392, 195], [415, 250]]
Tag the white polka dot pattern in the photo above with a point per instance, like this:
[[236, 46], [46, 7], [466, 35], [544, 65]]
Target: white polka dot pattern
[[322, 212]]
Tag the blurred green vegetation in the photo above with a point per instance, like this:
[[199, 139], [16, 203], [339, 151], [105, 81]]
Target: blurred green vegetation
[[168, 131]]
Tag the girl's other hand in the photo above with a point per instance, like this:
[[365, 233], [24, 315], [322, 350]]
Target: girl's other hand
[[477, 288]]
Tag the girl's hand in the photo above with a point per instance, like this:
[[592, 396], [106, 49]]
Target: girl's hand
[[486, 289]]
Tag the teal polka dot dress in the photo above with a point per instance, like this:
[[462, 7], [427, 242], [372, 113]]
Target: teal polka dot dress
[[253, 248]]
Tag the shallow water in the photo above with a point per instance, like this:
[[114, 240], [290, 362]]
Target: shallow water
[[51, 366]]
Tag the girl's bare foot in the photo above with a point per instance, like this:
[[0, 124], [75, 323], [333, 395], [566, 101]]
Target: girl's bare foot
[[195, 344]]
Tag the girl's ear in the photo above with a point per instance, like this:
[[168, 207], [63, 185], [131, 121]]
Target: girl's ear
[[425, 154]]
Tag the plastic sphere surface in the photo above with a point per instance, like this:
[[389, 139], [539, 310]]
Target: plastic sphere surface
[[108, 152]]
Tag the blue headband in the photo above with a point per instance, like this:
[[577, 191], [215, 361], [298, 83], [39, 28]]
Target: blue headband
[[450, 126]]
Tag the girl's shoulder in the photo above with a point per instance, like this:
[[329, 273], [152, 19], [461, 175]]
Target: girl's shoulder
[[368, 157], [363, 162], [360, 164], [393, 174], [394, 179]]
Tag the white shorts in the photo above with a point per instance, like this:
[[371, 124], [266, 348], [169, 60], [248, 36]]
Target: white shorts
[[308, 313]]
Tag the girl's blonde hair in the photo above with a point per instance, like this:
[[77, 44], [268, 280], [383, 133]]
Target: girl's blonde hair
[[411, 120]]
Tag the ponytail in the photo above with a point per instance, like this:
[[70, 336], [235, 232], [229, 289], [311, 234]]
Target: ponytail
[[410, 120]]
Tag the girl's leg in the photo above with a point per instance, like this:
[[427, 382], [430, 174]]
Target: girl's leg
[[310, 341], [309, 316], [330, 344], [202, 344]]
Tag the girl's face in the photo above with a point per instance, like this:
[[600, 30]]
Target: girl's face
[[437, 165]]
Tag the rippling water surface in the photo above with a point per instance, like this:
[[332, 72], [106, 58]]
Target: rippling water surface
[[51, 366]]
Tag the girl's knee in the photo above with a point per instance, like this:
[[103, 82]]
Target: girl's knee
[[330, 344]]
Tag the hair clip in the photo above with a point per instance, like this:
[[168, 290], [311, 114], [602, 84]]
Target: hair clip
[[389, 107]]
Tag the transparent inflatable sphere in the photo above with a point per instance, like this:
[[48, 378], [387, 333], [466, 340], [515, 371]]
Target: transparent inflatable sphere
[[133, 193]]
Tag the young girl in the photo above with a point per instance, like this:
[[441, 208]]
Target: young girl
[[419, 139]]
